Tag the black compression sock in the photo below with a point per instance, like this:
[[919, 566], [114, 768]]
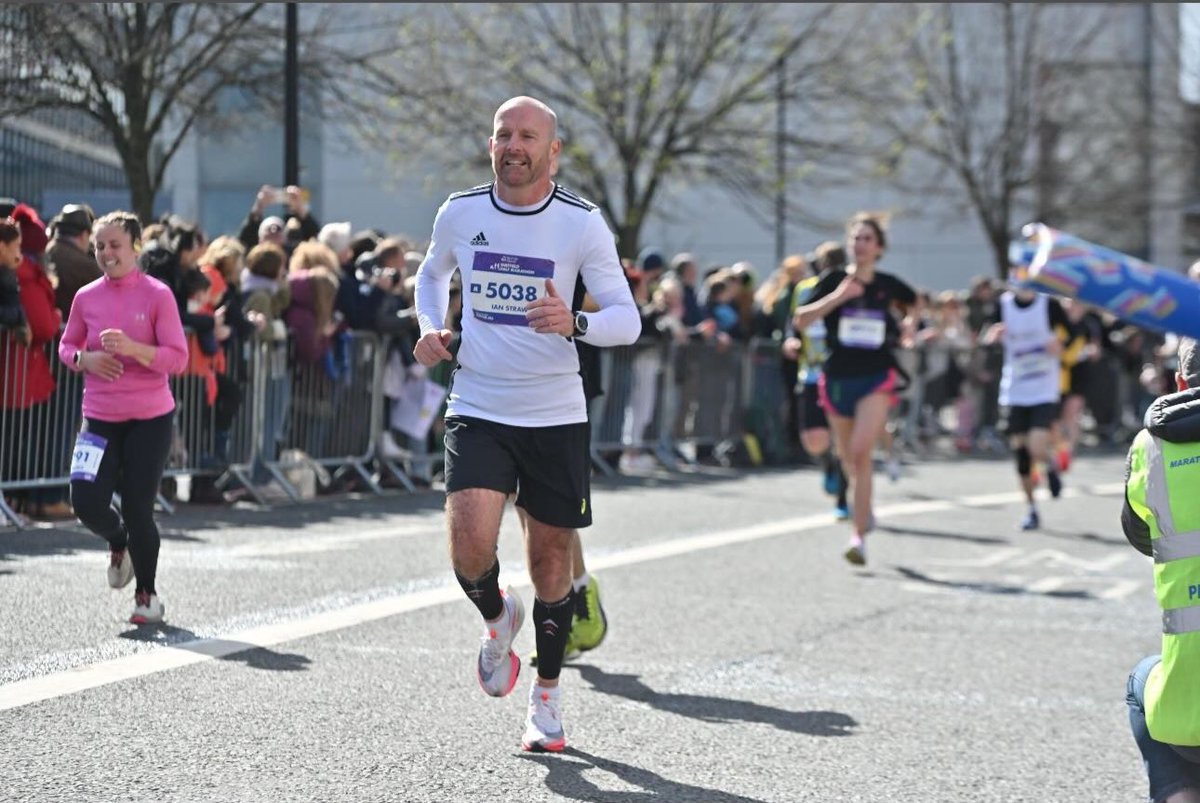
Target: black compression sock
[[485, 592], [553, 624]]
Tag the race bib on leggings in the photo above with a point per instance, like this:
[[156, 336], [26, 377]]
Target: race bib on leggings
[[85, 460]]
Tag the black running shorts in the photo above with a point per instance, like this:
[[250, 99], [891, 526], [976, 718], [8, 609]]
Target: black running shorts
[[1018, 420], [549, 467]]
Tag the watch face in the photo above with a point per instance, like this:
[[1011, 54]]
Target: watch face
[[581, 323]]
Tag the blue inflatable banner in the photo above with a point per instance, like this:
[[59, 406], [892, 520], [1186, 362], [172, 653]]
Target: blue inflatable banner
[[1061, 264]]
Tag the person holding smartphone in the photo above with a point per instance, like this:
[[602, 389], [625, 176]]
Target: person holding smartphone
[[257, 227]]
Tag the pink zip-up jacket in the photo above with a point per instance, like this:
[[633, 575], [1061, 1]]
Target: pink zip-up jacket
[[145, 309]]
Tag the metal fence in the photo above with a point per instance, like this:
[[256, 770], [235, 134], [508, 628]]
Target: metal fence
[[273, 421]]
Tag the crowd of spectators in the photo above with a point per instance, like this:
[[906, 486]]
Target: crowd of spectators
[[952, 397], [300, 286]]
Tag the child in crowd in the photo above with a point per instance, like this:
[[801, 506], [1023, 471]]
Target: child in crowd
[[721, 297], [201, 298]]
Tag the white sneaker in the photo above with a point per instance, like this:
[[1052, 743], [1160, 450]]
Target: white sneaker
[[147, 609], [120, 568], [543, 722], [389, 448], [498, 664], [893, 469], [640, 463]]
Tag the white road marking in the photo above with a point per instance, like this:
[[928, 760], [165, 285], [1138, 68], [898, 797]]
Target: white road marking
[[1046, 584], [1120, 589], [925, 588], [59, 684], [992, 558], [1056, 556], [328, 542]]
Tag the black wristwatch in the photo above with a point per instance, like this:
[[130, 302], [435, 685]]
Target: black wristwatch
[[581, 325]]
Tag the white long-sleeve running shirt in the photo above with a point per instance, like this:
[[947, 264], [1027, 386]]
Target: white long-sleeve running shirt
[[507, 372]]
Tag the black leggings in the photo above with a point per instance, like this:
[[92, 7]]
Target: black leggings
[[133, 463]]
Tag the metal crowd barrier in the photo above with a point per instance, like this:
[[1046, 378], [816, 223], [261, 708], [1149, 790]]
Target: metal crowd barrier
[[321, 422], [258, 435], [35, 440], [326, 418], [400, 456], [633, 407], [323, 417]]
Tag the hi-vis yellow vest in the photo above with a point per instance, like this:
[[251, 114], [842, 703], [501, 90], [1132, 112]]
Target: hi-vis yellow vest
[[1164, 491]]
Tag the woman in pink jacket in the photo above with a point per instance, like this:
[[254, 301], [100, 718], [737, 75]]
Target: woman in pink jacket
[[125, 335]]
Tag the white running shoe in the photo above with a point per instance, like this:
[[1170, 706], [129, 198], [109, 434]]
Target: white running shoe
[[147, 609], [893, 469], [498, 665], [120, 568], [640, 463], [543, 723], [389, 448]]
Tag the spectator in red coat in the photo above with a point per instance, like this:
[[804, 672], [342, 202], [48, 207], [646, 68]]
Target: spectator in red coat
[[27, 398]]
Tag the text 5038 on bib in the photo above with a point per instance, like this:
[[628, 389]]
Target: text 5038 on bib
[[502, 285]]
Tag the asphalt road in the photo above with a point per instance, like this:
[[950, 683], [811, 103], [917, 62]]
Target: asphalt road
[[323, 652]]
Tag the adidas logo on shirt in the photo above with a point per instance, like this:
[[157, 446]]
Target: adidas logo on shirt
[[479, 239]]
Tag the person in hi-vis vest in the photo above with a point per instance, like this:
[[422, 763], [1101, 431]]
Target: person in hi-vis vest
[[1161, 518]]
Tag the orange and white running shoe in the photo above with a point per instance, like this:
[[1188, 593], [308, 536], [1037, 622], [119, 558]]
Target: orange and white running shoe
[[543, 722], [498, 665]]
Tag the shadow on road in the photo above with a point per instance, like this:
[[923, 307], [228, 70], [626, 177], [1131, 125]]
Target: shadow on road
[[56, 541], [953, 536], [1075, 535], [251, 655], [718, 709], [565, 778], [67, 539], [988, 588]]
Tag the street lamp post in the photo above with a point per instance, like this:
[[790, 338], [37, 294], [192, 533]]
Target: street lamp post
[[780, 159], [291, 102]]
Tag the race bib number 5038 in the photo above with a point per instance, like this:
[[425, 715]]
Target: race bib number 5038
[[502, 285]]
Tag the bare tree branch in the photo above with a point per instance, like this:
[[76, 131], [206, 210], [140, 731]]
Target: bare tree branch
[[648, 95], [968, 89], [138, 69]]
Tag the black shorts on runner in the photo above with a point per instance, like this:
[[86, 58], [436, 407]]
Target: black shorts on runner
[[1018, 419], [813, 413], [549, 467]]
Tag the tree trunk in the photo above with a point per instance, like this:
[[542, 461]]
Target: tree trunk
[[628, 235], [1000, 242], [141, 184]]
